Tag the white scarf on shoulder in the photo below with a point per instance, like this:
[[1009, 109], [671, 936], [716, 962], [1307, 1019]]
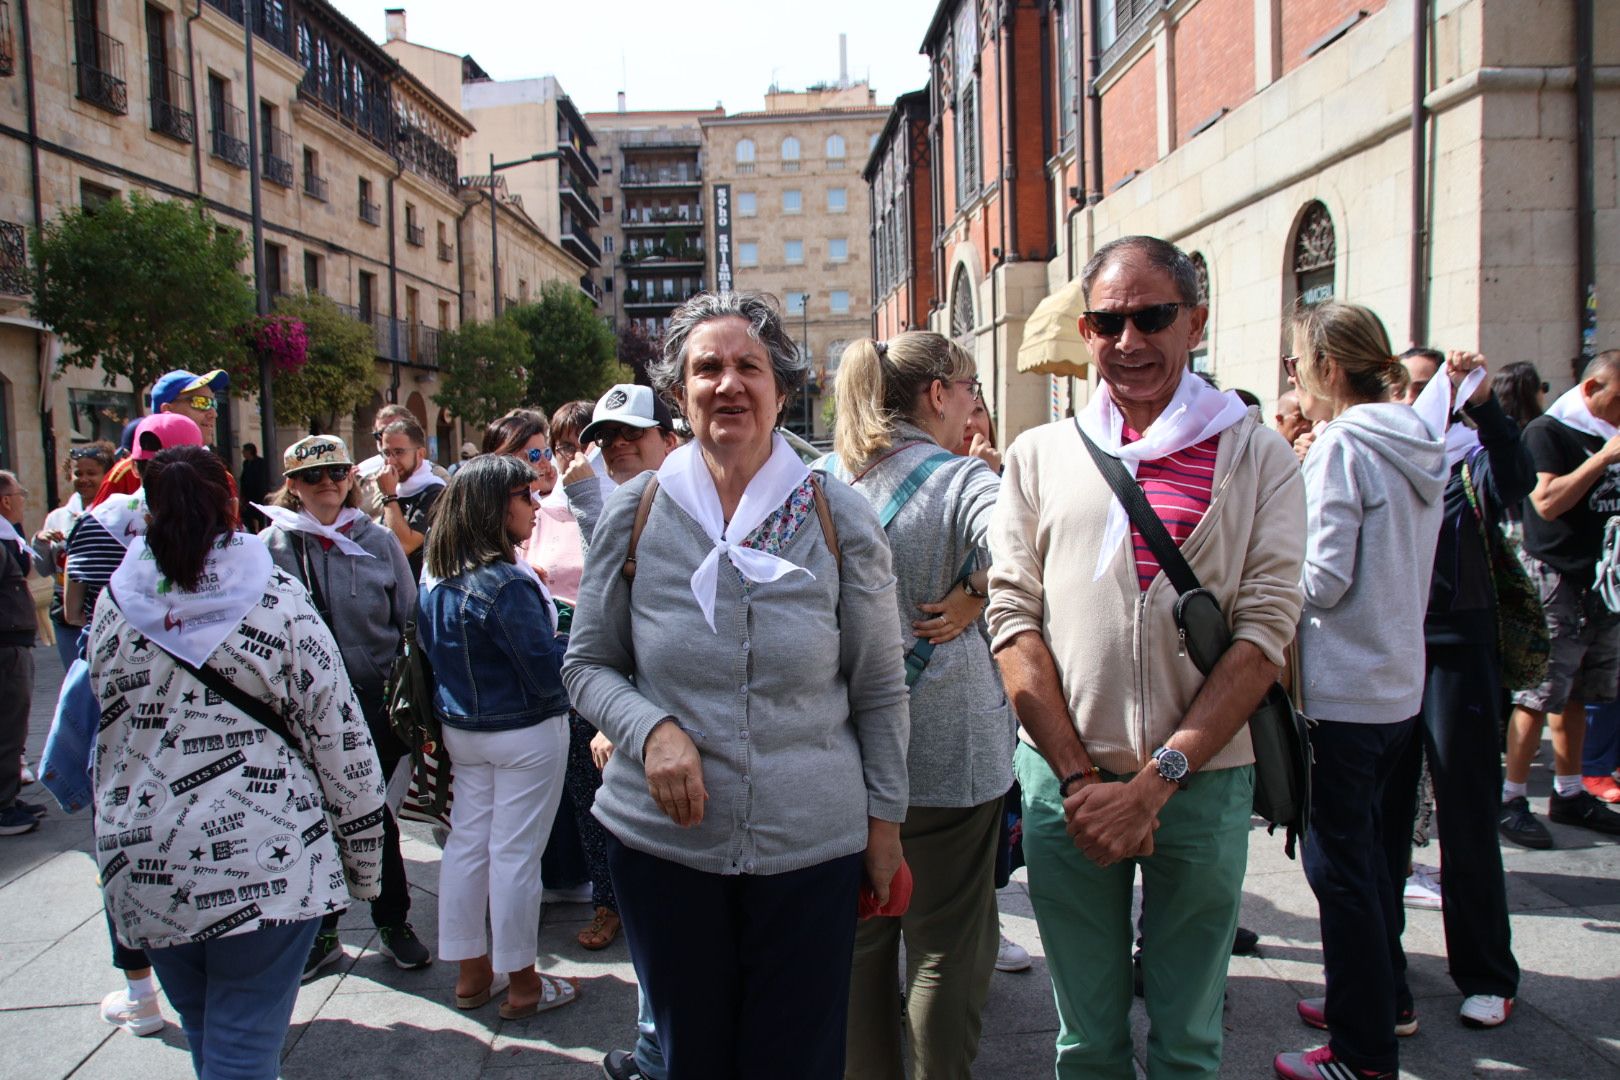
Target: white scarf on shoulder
[[302, 521], [686, 478], [1570, 409], [1436, 404], [1196, 412], [191, 625], [419, 481], [8, 531], [123, 516]]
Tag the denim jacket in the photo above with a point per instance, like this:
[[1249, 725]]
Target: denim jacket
[[497, 663], [66, 763]]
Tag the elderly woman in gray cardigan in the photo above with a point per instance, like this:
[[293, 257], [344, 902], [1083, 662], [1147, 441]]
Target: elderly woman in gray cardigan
[[901, 404], [749, 671]]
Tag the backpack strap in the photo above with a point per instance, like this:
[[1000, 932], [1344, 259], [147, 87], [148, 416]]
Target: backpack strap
[[643, 509], [828, 529]]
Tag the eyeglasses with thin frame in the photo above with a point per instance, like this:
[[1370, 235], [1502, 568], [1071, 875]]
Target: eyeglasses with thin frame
[[606, 437], [1291, 366], [335, 473], [1148, 320], [537, 454], [565, 449], [200, 402], [974, 386]]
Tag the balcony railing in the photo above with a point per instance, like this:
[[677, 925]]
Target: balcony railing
[[14, 276], [100, 62], [370, 212], [590, 288], [656, 175], [663, 256], [581, 157], [583, 246], [229, 137], [415, 235], [397, 339], [636, 296], [269, 19], [447, 251], [581, 198], [642, 215], [8, 43], [315, 186], [171, 103], [278, 166]]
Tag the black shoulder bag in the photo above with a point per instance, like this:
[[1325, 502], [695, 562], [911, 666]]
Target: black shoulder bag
[[1281, 736]]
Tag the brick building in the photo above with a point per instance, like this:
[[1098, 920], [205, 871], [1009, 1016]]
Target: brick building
[[902, 229]]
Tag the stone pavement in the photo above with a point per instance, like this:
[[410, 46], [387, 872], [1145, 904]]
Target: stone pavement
[[366, 1019]]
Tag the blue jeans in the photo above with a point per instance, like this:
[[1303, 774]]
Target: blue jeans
[[1600, 754], [67, 642], [649, 1056], [235, 997]]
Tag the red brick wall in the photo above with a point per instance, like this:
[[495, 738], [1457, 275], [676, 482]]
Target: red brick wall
[[921, 294], [1303, 21], [1026, 148], [1214, 61], [1130, 122]]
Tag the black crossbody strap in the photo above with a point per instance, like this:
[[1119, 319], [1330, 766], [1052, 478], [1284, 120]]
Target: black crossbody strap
[[241, 699], [1130, 496]]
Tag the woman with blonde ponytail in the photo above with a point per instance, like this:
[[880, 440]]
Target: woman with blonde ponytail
[[903, 406]]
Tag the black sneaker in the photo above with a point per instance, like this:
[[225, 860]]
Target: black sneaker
[[1583, 809], [36, 809], [621, 1065], [324, 953], [401, 945], [1519, 825], [1245, 942], [14, 821]]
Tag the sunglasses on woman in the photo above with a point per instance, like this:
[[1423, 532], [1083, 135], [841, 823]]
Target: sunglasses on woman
[[335, 473], [1291, 366], [1148, 320], [538, 454]]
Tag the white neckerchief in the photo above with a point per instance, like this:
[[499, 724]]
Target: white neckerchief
[[1435, 405], [419, 481], [1570, 409], [123, 516], [1196, 412], [302, 521], [685, 477], [191, 625], [8, 531], [74, 506]]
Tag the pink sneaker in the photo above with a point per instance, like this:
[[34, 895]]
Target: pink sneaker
[[1312, 1011], [1320, 1064]]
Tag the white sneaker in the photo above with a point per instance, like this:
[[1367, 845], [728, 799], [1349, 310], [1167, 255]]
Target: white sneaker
[[1012, 956], [1422, 889], [1485, 1010], [138, 1016], [27, 776], [579, 894]]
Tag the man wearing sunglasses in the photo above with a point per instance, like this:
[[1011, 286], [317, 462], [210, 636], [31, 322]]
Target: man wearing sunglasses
[[623, 426], [1132, 759], [195, 397]]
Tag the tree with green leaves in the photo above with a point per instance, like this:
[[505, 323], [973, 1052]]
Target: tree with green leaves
[[572, 348], [339, 373], [483, 370], [637, 349], [139, 287]]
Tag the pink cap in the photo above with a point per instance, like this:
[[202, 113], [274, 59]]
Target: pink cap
[[161, 431]]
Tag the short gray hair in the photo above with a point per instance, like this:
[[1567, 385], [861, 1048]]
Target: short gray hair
[[1158, 254], [765, 326]]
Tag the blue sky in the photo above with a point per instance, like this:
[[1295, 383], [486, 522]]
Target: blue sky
[[670, 55]]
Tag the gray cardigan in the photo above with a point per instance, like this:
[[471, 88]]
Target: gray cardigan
[[962, 728], [370, 600], [797, 705]]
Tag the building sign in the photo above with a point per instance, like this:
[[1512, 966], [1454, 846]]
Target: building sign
[[722, 237]]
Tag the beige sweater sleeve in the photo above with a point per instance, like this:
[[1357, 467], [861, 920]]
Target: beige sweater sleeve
[[1266, 611], [1017, 593]]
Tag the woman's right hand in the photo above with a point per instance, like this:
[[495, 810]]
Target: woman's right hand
[[601, 750], [675, 774]]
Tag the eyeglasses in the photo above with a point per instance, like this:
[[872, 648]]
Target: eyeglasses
[[377, 436], [1148, 320], [520, 493], [400, 451], [335, 473], [82, 452], [200, 402], [538, 454], [565, 449], [606, 437], [1291, 366], [972, 384]]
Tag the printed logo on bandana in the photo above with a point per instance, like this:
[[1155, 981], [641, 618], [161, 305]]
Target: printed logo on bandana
[[616, 399]]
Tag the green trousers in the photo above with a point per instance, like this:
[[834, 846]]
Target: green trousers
[[951, 933], [1191, 888]]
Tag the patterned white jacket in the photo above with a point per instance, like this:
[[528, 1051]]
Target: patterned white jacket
[[209, 824]]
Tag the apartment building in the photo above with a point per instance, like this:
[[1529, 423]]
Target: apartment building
[[789, 215], [653, 254], [898, 173], [1298, 152]]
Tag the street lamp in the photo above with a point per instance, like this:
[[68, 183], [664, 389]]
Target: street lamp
[[804, 312], [494, 214]]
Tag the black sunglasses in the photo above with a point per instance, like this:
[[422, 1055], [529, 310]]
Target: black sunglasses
[[335, 473], [1148, 320]]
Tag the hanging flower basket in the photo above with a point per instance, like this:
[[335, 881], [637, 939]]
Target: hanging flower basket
[[283, 341]]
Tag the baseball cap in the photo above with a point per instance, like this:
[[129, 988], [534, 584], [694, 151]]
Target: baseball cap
[[161, 431], [313, 451], [630, 405], [172, 384]]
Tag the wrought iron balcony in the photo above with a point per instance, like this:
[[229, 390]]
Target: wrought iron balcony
[[278, 166], [581, 200], [315, 186], [648, 217], [577, 242], [661, 176], [8, 43], [229, 136], [14, 276], [415, 235], [99, 59], [370, 213], [447, 251], [171, 103]]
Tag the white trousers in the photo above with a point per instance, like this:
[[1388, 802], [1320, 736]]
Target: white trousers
[[507, 788]]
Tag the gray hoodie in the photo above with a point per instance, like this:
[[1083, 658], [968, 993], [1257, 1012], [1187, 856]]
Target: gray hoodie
[[1373, 485]]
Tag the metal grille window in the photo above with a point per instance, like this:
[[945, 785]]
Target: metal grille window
[[98, 60], [8, 43], [1315, 253], [962, 320], [169, 90], [13, 259], [228, 137], [966, 112], [1198, 358]]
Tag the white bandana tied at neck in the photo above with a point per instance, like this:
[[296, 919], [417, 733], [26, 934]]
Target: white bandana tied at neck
[[191, 625], [123, 516], [1436, 404], [1196, 412], [685, 477], [302, 521], [419, 481], [1570, 410]]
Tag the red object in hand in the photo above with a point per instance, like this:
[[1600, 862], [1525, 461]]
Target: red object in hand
[[899, 896]]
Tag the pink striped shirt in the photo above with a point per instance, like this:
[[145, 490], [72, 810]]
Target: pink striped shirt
[[1179, 488]]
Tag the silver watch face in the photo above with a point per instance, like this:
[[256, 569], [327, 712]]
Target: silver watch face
[[1172, 763]]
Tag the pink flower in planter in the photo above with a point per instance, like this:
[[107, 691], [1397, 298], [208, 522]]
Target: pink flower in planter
[[284, 341]]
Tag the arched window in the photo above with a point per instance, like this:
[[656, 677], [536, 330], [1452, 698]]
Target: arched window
[[745, 151], [1315, 252], [1198, 358], [835, 146], [790, 149], [962, 319]]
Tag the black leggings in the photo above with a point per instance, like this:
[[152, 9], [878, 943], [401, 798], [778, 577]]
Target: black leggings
[[581, 781]]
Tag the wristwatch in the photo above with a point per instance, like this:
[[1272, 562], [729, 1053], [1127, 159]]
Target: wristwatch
[[1172, 766]]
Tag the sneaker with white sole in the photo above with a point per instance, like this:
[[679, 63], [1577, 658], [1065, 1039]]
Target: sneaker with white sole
[[138, 1016], [401, 945], [1485, 1010], [1012, 956], [326, 951], [576, 894], [1422, 889], [1313, 1011], [1320, 1064], [26, 776]]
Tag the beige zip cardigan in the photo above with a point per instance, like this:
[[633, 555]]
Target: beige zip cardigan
[[1126, 679]]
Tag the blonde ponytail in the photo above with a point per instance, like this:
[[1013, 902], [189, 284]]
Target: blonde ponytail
[[880, 384]]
